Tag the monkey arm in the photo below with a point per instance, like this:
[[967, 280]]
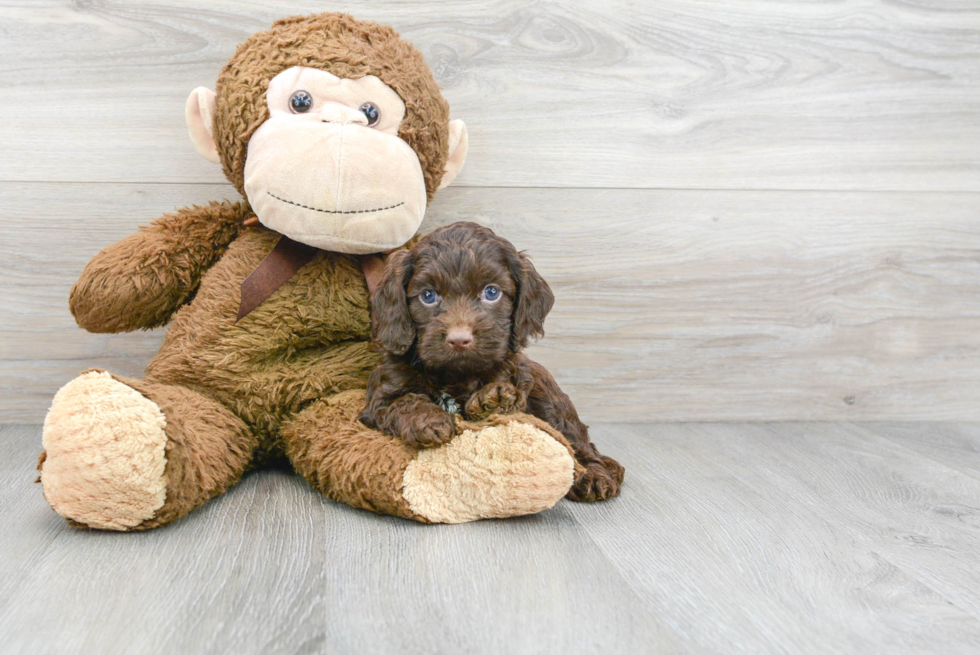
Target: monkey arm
[[139, 282]]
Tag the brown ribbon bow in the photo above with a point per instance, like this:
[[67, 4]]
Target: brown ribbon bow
[[282, 263]]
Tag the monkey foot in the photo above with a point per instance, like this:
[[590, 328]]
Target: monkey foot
[[104, 455], [499, 471]]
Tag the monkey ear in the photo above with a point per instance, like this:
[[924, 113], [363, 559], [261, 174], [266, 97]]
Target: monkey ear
[[392, 323], [532, 304], [199, 112], [458, 144]]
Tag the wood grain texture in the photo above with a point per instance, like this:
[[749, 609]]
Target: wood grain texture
[[672, 94], [887, 497], [913, 513], [671, 305], [251, 584], [733, 538], [274, 567], [956, 445], [532, 585], [734, 303], [718, 521]]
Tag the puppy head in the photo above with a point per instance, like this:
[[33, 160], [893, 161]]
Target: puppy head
[[464, 296]]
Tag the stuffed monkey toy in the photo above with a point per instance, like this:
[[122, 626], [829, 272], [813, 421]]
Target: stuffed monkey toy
[[336, 134]]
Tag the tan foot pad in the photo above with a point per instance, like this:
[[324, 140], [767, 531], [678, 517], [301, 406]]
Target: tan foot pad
[[105, 460], [499, 471]]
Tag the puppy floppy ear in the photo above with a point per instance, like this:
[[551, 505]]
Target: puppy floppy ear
[[393, 326], [532, 303]]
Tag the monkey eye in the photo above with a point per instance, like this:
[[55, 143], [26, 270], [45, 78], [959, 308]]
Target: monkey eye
[[491, 293], [429, 297], [300, 102], [371, 111]]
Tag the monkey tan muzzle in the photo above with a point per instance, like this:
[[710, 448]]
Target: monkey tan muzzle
[[336, 186]]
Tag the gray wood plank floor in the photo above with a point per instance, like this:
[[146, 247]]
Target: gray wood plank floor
[[734, 538]]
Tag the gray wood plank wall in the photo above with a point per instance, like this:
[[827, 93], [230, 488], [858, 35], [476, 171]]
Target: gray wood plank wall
[[748, 211]]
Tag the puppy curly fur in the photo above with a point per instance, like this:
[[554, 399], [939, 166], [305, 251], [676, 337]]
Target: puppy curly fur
[[462, 351]]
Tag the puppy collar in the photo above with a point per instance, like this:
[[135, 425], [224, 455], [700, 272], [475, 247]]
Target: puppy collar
[[448, 403]]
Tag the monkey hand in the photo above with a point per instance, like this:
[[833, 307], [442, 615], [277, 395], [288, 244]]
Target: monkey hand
[[140, 281]]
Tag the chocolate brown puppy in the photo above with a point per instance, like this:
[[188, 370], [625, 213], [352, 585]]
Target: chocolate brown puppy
[[452, 315]]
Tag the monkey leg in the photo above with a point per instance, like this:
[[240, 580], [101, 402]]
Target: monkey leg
[[506, 466], [122, 454]]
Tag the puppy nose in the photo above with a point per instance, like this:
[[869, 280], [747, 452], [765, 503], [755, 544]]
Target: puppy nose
[[459, 338]]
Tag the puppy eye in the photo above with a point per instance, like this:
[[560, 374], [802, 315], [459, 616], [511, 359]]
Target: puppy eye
[[300, 102], [491, 293], [371, 112], [429, 297]]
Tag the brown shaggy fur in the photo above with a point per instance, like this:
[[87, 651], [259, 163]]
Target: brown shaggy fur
[[234, 384], [344, 47], [248, 390], [489, 375], [356, 465], [207, 450], [139, 282], [289, 378]]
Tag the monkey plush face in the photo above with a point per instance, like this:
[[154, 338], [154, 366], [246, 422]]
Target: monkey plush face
[[328, 168], [344, 147]]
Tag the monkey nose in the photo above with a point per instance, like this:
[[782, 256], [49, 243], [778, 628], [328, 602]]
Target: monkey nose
[[334, 112], [460, 338]]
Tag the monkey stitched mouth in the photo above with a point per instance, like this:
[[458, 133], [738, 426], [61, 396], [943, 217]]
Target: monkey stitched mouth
[[334, 211]]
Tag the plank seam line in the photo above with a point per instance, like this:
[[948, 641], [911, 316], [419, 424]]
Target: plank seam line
[[549, 188]]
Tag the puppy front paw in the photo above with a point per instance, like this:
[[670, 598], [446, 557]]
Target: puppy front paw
[[496, 397], [601, 480], [428, 427]]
